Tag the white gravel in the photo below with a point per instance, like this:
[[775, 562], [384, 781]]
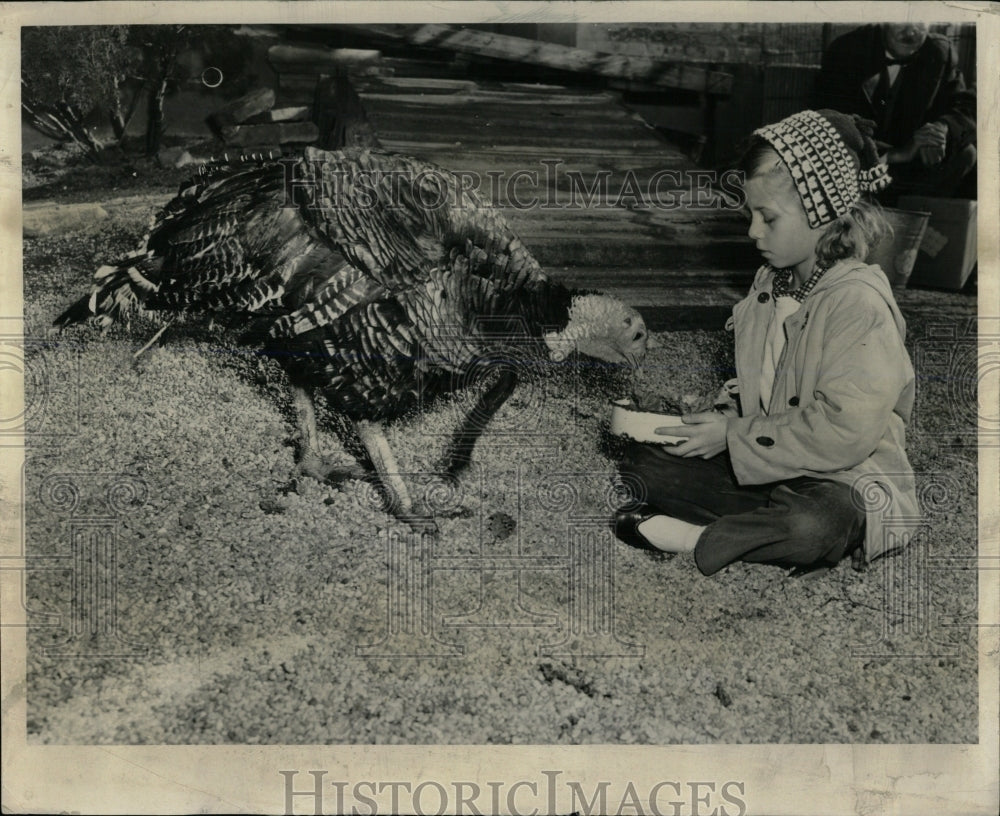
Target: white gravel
[[252, 600]]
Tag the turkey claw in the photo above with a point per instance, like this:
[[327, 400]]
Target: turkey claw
[[448, 475], [420, 523], [318, 468]]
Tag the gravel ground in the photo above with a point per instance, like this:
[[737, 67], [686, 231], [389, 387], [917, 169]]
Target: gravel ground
[[256, 609]]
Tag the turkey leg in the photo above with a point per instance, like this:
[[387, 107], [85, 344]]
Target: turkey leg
[[311, 463], [459, 451], [384, 462], [377, 450]]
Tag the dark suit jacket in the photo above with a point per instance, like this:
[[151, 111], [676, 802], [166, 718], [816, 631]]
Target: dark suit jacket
[[930, 87]]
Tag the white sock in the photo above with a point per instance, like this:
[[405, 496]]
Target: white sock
[[670, 534]]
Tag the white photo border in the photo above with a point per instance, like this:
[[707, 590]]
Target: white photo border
[[777, 779]]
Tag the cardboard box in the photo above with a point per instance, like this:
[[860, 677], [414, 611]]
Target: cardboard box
[[897, 251], [948, 250]]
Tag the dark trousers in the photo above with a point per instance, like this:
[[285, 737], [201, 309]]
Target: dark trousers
[[803, 522]]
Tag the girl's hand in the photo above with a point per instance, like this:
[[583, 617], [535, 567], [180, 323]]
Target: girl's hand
[[706, 436]]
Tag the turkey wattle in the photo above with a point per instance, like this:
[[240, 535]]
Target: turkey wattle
[[374, 278]]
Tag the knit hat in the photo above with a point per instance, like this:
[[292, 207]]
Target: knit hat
[[832, 158]]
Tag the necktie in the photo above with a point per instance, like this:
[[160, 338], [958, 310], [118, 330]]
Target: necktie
[[880, 98]]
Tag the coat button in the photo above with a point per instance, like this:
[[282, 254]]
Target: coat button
[[766, 441], [793, 401], [763, 297]]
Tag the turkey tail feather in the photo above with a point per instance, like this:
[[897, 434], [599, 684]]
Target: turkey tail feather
[[118, 291], [77, 313]]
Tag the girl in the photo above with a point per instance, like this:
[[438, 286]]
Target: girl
[[811, 466]]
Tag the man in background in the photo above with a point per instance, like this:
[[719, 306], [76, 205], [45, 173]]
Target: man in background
[[908, 82]]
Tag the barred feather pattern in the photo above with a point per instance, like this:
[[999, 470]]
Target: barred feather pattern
[[226, 243], [402, 348], [382, 278], [396, 217]]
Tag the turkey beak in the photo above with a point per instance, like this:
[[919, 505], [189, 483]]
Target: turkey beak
[[637, 340], [633, 359], [636, 359]]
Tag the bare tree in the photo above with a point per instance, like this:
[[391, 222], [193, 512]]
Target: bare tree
[[163, 68], [161, 47]]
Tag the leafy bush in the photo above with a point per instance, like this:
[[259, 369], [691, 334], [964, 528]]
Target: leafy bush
[[70, 73]]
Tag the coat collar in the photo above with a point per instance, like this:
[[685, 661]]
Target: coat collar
[[845, 271]]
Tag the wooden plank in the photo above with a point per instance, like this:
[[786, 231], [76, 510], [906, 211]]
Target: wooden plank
[[507, 91], [424, 68], [278, 133], [424, 84], [610, 250], [653, 277], [493, 98], [560, 57], [527, 117], [239, 110], [292, 114], [539, 227], [588, 163], [718, 43], [304, 60], [469, 127], [523, 111], [561, 196], [528, 150], [544, 127], [426, 88], [657, 224], [543, 132], [547, 146]]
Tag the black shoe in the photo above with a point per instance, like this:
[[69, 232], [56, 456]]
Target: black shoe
[[626, 527]]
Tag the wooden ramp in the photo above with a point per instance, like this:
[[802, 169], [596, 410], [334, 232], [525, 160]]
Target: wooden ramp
[[599, 197]]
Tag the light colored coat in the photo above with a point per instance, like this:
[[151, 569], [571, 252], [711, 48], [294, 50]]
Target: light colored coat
[[843, 393]]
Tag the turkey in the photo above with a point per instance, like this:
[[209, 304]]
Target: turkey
[[376, 279]]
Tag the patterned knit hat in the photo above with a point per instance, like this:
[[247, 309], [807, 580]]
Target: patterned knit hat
[[832, 158]]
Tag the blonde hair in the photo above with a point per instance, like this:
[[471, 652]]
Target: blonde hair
[[852, 235]]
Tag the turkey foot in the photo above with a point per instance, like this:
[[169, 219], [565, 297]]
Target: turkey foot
[[310, 462], [313, 465], [393, 488], [438, 495]]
